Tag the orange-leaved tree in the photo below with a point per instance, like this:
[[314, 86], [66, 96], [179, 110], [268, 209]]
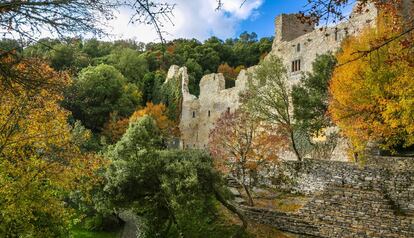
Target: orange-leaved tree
[[40, 162], [372, 92], [242, 145], [229, 72], [115, 128], [158, 112]]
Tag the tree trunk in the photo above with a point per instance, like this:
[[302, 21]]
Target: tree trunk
[[231, 208], [249, 196], [295, 149]]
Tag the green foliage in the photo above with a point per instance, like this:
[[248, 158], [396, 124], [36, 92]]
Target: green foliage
[[268, 97], [171, 96], [310, 97], [195, 73], [10, 44], [99, 91], [80, 233], [140, 135], [96, 49], [131, 63], [171, 190], [153, 82]]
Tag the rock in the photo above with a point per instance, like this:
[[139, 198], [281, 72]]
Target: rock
[[235, 192]]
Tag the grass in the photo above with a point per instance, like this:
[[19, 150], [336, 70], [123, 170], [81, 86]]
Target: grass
[[278, 200], [254, 230]]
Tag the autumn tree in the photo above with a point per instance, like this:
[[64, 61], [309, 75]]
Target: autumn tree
[[158, 112], [372, 91], [242, 145], [228, 71], [268, 98], [116, 126], [40, 160]]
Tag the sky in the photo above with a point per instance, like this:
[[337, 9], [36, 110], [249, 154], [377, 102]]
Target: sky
[[199, 19]]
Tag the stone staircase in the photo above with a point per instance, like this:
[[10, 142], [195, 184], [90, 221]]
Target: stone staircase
[[340, 211], [345, 211]]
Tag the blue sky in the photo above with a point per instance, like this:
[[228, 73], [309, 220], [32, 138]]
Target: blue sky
[[199, 19], [263, 23]]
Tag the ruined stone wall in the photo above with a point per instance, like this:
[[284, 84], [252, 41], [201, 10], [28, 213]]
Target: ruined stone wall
[[294, 41], [199, 114], [394, 177], [306, 46], [349, 200], [289, 27]]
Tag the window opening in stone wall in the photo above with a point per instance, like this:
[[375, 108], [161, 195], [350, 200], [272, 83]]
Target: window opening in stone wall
[[296, 65], [228, 110], [336, 35], [208, 113], [298, 47], [193, 114]]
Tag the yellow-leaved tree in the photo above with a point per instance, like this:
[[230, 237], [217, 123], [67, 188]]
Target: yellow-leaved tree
[[115, 128], [372, 89], [40, 163]]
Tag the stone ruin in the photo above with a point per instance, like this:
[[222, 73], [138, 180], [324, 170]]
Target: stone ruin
[[347, 200], [296, 43]]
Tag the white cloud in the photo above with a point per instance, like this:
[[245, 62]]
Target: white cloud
[[192, 19]]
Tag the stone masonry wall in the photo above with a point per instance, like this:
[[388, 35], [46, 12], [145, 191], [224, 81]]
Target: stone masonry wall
[[306, 46], [349, 200], [199, 114]]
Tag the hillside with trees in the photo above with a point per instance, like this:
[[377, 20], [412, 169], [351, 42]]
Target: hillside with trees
[[86, 126]]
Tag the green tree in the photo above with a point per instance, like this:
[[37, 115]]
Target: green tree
[[97, 92], [131, 63], [67, 57], [176, 188], [195, 73], [268, 97], [310, 97]]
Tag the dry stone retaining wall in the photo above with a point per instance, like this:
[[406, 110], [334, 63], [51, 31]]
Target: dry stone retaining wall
[[375, 200]]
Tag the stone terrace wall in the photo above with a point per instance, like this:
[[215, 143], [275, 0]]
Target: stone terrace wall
[[394, 177], [340, 212], [349, 200]]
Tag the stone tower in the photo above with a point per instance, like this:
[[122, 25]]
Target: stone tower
[[289, 27]]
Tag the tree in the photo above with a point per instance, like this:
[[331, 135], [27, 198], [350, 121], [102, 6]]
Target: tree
[[67, 57], [116, 127], [242, 145], [176, 188], [40, 162], [372, 94], [208, 58], [132, 64], [310, 97], [268, 97], [159, 113], [76, 16], [153, 82], [195, 74], [99, 91], [228, 71]]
